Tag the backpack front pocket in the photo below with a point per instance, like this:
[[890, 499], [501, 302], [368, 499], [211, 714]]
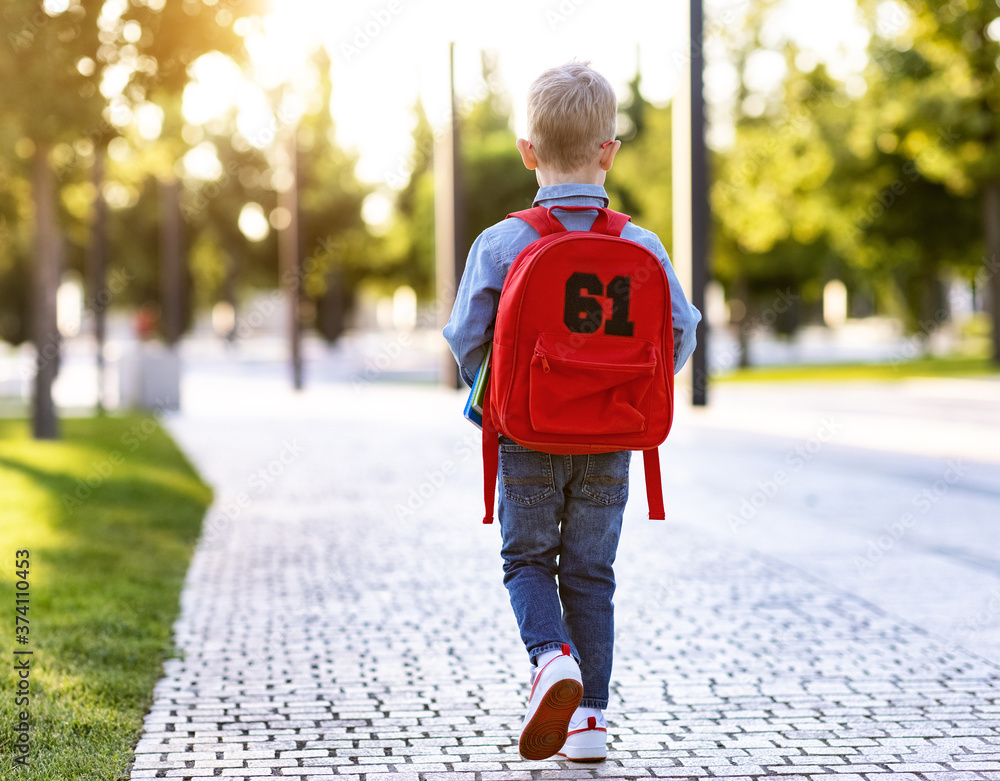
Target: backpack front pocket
[[590, 383]]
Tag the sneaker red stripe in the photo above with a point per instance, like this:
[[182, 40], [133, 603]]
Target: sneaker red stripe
[[538, 675], [586, 729]]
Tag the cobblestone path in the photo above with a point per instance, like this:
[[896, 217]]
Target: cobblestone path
[[344, 617]]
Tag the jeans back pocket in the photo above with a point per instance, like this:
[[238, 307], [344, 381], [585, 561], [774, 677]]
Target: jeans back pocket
[[526, 474], [606, 480]]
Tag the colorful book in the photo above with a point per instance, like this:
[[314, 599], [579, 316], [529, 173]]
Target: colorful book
[[474, 405]]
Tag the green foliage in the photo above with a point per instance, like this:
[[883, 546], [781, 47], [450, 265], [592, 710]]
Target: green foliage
[[881, 188], [15, 240], [939, 73], [54, 66], [110, 516], [46, 97], [874, 189], [927, 138], [340, 251], [640, 181], [494, 180], [409, 245], [494, 183], [161, 43]]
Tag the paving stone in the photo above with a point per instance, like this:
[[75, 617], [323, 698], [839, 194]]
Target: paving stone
[[953, 775], [892, 777]]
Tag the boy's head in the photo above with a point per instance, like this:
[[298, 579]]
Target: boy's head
[[572, 113]]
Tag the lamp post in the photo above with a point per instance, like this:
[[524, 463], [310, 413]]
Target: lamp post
[[98, 261], [289, 251], [690, 187], [289, 107], [449, 222]]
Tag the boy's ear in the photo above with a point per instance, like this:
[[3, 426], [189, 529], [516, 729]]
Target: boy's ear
[[527, 154], [608, 154]]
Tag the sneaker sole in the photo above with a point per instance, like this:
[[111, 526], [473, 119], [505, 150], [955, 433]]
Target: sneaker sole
[[596, 757], [586, 746], [545, 734]]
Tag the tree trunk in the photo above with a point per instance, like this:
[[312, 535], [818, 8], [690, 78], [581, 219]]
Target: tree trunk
[[332, 307], [743, 296], [991, 263], [928, 305], [98, 295], [171, 268], [289, 258], [45, 425], [233, 264]]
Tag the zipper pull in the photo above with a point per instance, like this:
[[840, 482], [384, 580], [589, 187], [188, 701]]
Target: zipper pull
[[545, 362]]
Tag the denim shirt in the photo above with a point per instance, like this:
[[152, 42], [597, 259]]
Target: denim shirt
[[470, 327]]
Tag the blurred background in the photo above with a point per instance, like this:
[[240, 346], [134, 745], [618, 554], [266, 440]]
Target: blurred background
[[256, 187]]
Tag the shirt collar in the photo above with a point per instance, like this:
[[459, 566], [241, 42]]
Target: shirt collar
[[572, 195]]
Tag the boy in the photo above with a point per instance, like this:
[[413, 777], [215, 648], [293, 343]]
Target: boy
[[560, 516]]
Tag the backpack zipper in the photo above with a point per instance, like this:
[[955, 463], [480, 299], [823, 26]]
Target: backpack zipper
[[592, 364]]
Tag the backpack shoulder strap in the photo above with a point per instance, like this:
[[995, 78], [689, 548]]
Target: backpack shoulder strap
[[538, 218], [543, 220], [616, 223]]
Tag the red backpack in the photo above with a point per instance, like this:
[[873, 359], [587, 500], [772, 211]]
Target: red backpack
[[582, 349]]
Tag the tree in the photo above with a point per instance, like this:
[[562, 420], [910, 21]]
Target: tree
[[770, 195], [73, 76], [410, 241], [15, 240], [899, 232], [338, 247], [816, 187], [47, 98], [493, 178], [640, 183], [223, 259], [936, 64]]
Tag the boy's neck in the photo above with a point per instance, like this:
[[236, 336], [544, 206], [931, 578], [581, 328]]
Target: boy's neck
[[590, 175]]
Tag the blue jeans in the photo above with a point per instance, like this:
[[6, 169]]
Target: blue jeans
[[560, 519]]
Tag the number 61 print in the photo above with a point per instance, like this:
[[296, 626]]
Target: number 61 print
[[584, 314]]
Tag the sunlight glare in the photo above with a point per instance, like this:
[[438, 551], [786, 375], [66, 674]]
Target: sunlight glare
[[385, 54], [202, 162], [149, 121], [281, 49], [215, 80], [253, 222], [55, 7], [114, 79], [376, 211], [255, 121]]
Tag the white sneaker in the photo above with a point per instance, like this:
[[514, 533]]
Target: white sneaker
[[556, 691], [587, 738]]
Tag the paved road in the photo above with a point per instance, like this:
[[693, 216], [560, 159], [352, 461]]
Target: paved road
[[825, 598]]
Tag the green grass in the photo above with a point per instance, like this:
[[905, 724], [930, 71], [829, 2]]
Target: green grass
[[876, 372], [107, 562]]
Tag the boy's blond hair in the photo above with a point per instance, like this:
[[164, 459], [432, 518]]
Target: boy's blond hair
[[572, 110]]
